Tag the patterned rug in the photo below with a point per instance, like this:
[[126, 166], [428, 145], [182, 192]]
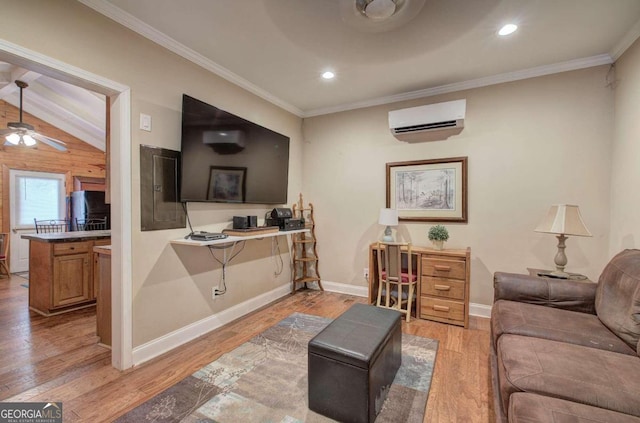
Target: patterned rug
[[265, 380]]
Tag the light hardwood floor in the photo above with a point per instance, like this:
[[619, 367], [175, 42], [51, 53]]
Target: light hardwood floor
[[57, 359]]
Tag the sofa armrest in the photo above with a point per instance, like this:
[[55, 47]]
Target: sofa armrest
[[564, 294]]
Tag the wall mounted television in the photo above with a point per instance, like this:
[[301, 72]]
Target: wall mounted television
[[227, 159]]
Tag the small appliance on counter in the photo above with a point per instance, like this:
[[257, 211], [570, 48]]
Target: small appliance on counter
[[283, 218]]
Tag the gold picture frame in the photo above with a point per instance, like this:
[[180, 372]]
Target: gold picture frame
[[428, 190]]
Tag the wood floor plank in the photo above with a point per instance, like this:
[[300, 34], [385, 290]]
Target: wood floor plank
[[57, 358]]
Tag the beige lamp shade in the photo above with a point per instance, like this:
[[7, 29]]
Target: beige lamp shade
[[564, 219], [388, 217]]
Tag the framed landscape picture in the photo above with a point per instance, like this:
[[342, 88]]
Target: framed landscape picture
[[227, 183], [428, 190]]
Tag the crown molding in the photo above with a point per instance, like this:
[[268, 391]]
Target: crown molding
[[602, 59], [629, 38], [126, 19], [120, 16]]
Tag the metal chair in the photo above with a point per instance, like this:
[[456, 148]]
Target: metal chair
[[51, 226], [4, 253], [393, 279], [91, 224]]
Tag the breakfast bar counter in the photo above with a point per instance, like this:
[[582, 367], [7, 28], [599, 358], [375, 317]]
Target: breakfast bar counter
[[61, 270]]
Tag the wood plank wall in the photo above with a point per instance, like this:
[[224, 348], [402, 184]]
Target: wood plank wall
[[80, 159]]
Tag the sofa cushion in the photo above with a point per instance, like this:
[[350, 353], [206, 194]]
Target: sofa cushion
[[554, 324], [531, 408], [590, 376], [618, 296]]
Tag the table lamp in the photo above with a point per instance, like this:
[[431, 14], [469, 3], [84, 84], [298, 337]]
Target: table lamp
[[563, 219], [389, 218]]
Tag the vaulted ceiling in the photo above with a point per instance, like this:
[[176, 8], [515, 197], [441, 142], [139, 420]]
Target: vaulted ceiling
[[77, 111]]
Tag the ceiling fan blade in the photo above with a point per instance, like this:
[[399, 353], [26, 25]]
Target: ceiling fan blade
[[51, 142], [7, 131]]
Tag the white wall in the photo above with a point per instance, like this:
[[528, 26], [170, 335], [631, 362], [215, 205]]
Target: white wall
[[625, 181], [171, 285], [529, 143]]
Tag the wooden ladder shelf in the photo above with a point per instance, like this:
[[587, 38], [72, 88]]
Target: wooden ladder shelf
[[305, 254]]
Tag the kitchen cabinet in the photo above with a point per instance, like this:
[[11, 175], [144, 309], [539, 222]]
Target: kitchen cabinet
[[102, 281], [61, 270]]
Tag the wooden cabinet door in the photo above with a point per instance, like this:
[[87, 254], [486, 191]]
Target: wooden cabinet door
[[71, 275]]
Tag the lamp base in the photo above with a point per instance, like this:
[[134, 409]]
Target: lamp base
[[387, 235]]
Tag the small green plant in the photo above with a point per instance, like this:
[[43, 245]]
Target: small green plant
[[438, 233]]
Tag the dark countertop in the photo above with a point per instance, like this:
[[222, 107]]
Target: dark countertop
[[68, 236]]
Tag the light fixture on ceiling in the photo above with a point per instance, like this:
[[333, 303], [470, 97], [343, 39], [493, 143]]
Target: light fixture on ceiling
[[20, 133], [508, 29], [377, 16], [377, 10], [328, 75]]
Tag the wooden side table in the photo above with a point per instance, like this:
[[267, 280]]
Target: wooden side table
[[542, 273]]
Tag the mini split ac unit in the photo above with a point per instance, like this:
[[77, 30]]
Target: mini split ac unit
[[432, 122]]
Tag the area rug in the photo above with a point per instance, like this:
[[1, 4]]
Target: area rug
[[265, 380]]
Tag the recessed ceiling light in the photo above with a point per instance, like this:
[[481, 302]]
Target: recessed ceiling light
[[508, 29], [328, 75]]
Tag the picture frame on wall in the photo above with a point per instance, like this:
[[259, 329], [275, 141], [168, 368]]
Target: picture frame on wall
[[428, 190], [227, 183]]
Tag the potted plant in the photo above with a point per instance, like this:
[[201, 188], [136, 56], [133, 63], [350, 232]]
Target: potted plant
[[438, 235]]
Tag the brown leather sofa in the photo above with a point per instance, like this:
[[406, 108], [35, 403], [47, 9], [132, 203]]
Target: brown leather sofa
[[567, 351]]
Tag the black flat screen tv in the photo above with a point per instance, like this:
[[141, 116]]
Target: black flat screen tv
[[228, 159]]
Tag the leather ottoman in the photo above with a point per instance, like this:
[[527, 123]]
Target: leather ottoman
[[353, 362]]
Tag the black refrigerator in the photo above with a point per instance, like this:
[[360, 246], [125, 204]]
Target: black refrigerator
[[89, 205]]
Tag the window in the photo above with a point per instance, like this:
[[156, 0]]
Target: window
[[39, 196]]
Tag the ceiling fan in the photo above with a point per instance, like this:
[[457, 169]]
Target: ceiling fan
[[20, 133]]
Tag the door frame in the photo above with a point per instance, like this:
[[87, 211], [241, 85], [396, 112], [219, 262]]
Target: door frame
[[8, 186], [120, 161]]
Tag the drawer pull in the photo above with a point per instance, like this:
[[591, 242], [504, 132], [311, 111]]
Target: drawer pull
[[442, 287], [442, 268], [440, 308]]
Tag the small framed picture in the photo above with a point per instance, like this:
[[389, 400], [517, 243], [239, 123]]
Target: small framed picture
[[227, 183], [428, 190]]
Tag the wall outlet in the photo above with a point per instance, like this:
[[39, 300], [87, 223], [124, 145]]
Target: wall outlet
[[214, 292], [366, 273]]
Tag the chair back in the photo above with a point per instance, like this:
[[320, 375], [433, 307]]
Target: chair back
[[91, 224], [51, 226], [397, 285], [4, 245], [4, 252], [390, 255]]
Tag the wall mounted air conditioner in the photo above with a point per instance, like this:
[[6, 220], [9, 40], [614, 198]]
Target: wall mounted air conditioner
[[432, 122]]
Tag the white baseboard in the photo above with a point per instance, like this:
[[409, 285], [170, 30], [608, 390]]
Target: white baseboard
[[343, 288], [480, 310], [158, 346], [185, 334]]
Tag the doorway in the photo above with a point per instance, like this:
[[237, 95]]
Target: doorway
[[120, 168], [33, 195]]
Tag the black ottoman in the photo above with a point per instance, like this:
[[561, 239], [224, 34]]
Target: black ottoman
[[353, 362]]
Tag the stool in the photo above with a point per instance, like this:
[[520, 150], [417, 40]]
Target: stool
[[353, 362]]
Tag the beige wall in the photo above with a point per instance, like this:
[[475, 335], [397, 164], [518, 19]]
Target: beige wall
[[625, 180], [171, 285], [530, 144]]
